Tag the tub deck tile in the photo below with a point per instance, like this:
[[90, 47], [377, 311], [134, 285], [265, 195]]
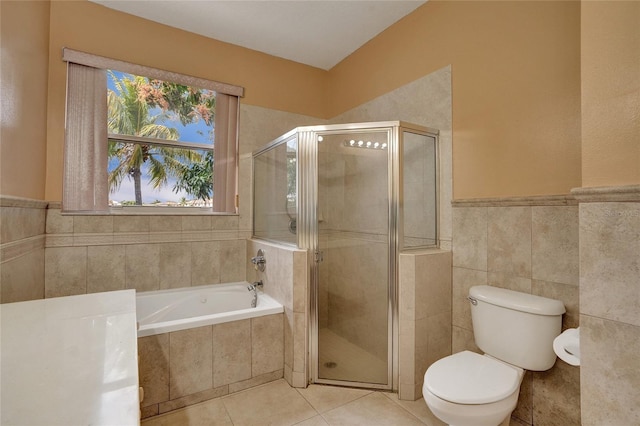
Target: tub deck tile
[[231, 352], [190, 361]]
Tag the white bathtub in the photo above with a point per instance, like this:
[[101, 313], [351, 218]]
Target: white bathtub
[[164, 311]]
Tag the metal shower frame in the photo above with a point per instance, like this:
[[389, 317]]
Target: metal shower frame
[[307, 224]]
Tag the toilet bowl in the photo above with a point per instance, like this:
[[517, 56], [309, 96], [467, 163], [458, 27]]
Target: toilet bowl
[[515, 331], [469, 389]]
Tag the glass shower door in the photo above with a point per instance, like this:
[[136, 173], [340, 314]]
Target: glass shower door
[[353, 259]]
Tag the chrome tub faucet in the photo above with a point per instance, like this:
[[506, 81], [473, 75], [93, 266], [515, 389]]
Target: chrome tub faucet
[[254, 288]]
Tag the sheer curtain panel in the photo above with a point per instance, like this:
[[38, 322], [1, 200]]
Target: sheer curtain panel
[[85, 185], [225, 154]]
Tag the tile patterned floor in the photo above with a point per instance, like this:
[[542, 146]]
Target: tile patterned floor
[[278, 404]]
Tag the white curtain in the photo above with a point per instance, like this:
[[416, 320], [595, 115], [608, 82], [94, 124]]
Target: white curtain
[[225, 154], [85, 185]]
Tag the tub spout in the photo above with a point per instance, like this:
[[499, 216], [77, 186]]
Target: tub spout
[[254, 288]]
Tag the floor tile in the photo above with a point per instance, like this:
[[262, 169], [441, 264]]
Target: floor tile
[[325, 398], [373, 409], [313, 421], [275, 403], [418, 408], [208, 413]]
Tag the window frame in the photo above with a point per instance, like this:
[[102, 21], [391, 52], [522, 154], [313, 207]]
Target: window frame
[[75, 170]]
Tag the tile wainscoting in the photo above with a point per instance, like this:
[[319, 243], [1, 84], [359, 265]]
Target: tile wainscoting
[[528, 245], [88, 254], [22, 241]]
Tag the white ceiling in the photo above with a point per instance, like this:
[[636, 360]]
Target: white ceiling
[[319, 33]]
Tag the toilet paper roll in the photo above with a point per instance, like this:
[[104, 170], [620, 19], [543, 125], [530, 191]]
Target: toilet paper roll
[[567, 346]]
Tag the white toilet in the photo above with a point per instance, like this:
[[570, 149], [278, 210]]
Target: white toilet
[[516, 332]]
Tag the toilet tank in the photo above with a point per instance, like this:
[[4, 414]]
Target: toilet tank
[[516, 327]]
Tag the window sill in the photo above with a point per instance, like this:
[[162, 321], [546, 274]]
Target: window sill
[[150, 211]]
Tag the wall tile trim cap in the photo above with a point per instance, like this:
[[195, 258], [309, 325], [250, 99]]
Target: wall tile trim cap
[[607, 193], [11, 201], [536, 200]]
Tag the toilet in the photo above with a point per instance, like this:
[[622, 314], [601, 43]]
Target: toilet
[[515, 331]]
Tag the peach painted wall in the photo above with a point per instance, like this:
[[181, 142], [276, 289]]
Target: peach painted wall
[[23, 91], [610, 93], [269, 81], [516, 88], [515, 73]]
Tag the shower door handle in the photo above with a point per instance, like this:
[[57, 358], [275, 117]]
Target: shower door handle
[[319, 256]]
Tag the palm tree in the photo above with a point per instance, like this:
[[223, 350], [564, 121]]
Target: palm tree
[[128, 114]]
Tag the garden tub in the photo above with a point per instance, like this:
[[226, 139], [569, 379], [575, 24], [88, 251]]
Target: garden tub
[[165, 311]]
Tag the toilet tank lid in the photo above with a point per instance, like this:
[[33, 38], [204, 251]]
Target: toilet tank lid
[[516, 300]]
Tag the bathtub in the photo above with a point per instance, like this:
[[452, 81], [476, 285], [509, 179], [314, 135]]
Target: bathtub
[[178, 309]]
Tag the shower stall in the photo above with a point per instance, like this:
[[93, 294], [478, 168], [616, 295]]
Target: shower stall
[[355, 196]]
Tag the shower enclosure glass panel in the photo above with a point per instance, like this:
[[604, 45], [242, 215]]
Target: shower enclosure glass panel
[[419, 190], [353, 239], [275, 196], [353, 196]]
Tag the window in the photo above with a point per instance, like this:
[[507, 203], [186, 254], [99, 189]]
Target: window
[[138, 136]]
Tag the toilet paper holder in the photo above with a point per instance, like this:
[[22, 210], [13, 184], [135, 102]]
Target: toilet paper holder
[[567, 346]]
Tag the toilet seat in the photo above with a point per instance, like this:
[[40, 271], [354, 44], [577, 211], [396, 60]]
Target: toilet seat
[[470, 378]]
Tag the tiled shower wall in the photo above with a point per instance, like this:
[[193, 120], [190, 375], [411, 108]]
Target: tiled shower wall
[[425, 316], [353, 289], [353, 205], [22, 226], [286, 279], [528, 245], [426, 102]]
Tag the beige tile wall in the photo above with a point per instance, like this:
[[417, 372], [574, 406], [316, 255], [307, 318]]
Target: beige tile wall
[[610, 307], [103, 253], [527, 245], [190, 366], [426, 102], [353, 278], [425, 316], [286, 279], [22, 228], [355, 283], [87, 254]]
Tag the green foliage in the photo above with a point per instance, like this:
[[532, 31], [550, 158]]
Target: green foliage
[[190, 104], [129, 113], [196, 179]]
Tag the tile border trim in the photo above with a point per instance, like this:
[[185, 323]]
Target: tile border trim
[[11, 201], [536, 200], [126, 238], [15, 249], [623, 193]]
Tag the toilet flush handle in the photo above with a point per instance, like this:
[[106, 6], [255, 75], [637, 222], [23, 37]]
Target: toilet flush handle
[[473, 301]]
